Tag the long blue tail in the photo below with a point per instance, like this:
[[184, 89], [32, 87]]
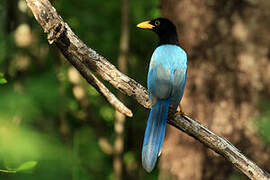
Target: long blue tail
[[154, 134]]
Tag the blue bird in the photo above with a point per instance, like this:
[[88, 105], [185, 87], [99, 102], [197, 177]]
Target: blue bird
[[166, 83]]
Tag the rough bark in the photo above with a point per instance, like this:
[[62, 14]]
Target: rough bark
[[228, 50], [73, 48]]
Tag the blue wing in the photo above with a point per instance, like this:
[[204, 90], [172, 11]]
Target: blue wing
[[166, 82], [167, 74], [179, 84], [158, 82]]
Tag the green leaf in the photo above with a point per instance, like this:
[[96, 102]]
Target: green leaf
[[27, 166], [3, 81]]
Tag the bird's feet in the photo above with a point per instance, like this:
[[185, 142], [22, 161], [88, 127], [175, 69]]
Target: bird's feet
[[181, 112]]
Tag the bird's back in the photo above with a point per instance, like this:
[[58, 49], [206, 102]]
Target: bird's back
[[166, 61], [169, 56]]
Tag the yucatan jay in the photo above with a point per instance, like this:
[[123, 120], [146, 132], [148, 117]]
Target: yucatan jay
[[166, 83]]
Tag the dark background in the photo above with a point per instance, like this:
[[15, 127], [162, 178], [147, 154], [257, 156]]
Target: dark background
[[50, 115]]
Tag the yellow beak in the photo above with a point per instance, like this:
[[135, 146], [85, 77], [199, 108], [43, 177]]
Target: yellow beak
[[145, 25]]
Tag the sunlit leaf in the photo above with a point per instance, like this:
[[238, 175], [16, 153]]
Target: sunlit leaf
[[3, 81], [27, 166]]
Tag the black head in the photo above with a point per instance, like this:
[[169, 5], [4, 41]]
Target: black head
[[164, 28]]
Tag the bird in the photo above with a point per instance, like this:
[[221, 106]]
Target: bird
[[166, 81]]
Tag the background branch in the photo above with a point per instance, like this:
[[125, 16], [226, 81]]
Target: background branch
[[73, 48], [119, 123]]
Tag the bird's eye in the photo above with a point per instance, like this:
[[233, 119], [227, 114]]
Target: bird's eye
[[157, 22]]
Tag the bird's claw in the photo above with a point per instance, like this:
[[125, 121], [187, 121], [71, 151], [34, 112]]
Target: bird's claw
[[181, 113]]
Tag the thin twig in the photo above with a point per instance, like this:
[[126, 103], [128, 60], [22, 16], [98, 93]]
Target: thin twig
[[99, 86], [73, 47], [55, 27], [7, 171]]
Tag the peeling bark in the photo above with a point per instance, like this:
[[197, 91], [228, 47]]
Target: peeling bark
[[76, 51]]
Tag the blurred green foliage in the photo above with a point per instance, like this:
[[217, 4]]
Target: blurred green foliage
[[263, 120], [25, 167], [44, 128], [237, 176], [2, 79]]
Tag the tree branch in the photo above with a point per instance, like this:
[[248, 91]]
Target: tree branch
[[101, 88], [76, 51]]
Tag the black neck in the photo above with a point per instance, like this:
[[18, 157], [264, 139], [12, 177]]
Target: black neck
[[168, 38]]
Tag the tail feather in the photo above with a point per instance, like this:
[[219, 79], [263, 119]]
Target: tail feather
[[154, 134]]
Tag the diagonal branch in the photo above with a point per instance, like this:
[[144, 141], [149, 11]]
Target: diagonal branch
[[101, 88], [221, 146], [55, 27], [73, 48]]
